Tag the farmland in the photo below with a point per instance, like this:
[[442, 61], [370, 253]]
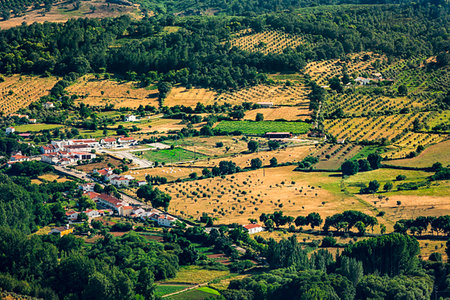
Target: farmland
[[96, 92], [261, 127], [267, 41], [19, 91], [36, 127], [287, 113], [436, 153], [171, 155]]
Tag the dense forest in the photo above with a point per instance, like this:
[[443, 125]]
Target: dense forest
[[198, 53]]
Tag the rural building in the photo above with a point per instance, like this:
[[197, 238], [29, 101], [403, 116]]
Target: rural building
[[10, 130], [108, 142], [119, 180], [84, 155], [126, 141], [18, 157], [87, 187], [72, 215], [48, 105], [166, 220], [91, 195], [92, 213], [125, 210], [362, 80], [278, 135], [32, 121], [130, 118], [253, 228], [142, 182], [62, 231], [48, 149], [88, 142], [340, 141], [77, 148], [265, 104], [18, 116]]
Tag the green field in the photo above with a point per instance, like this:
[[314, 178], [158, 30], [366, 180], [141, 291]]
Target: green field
[[162, 290], [36, 127], [260, 128], [198, 294], [171, 155]]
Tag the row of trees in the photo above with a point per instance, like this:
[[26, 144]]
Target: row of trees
[[421, 225]]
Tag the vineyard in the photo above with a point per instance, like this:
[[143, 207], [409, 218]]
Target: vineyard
[[268, 41], [19, 91], [106, 92], [358, 64], [396, 129]]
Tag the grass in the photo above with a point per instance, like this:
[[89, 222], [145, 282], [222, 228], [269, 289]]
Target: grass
[[259, 128], [162, 290], [171, 155], [36, 127], [368, 150], [195, 295], [208, 290], [196, 275]]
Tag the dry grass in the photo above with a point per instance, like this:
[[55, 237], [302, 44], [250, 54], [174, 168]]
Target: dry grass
[[62, 11], [190, 97], [290, 154], [19, 91], [241, 196], [100, 165], [171, 173], [53, 177], [102, 92], [436, 153], [286, 113], [196, 275]]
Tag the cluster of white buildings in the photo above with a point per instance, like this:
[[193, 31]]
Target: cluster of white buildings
[[108, 175], [120, 207]]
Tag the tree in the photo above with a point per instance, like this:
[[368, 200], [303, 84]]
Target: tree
[[363, 165], [259, 117], [252, 146], [374, 160], [349, 167], [255, 163], [402, 90], [351, 268], [273, 162], [301, 221], [237, 114], [361, 227], [335, 84], [273, 145], [206, 172], [388, 186], [164, 88], [155, 196], [314, 219], [374, 185], [145, 284]]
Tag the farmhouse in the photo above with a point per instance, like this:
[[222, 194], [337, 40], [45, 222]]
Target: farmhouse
[[278, 135], [91, 195], [265, 104], [62, 231], [253, 228], [108, 142], [87, 187], [72, 215], [119, 181], [10, 130], [18, 157], [77, 148], [48, 149], [88, 142], [92, 213], [362, 80], [126, 140], [48, 105], [103, 172], [130, 118], [166, 220]]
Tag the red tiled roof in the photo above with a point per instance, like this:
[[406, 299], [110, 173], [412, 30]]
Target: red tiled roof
[[109, 139], [126, 139], [92, 195], [110, 199], [251, 226]]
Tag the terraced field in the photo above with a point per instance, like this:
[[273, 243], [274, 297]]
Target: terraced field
[[19, 91]]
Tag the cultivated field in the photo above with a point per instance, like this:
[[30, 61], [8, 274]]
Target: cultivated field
[[36, 127], [394, 128], [268, 41], [436, 153], [19, 91], [63, 11], [332, 156], [358, 64], [97, 92], [190, 97], [246, 195], [262, 127], [289, 113], [170, 172], [278, 94]]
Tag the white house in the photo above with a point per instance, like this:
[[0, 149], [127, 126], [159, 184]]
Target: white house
[[130, 118], [126, 140], [48, 105], [166, 220], [88, 142], [72, 215], [108, 142], [362, 80], [142, 182], [32, 121], [10, 130], [253, 228], [265, 104], [87, 187], [92, 213], [84, 155], [119, 180], [18, 157]]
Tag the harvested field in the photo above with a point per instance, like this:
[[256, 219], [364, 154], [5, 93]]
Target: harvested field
[[290, 154], [171, 173], [436, 153], [285, 113], [190, 97], [208, 145], [19, 91], [62, 11], [195, 275], [97, 92], [241, 196], [158, 125]]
